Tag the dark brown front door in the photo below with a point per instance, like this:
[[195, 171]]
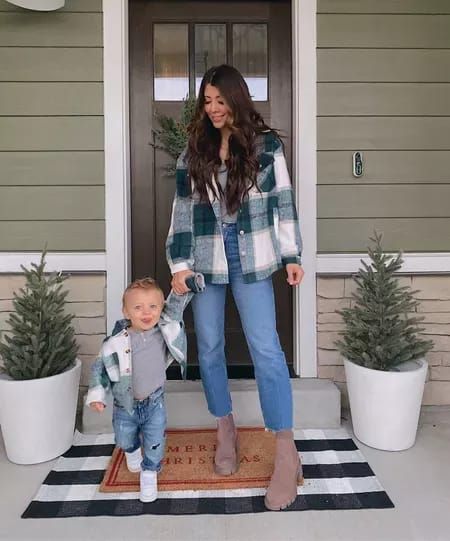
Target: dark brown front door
[[172, 43]]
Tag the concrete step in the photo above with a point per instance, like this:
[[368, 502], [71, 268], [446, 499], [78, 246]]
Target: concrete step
[[317, 404]]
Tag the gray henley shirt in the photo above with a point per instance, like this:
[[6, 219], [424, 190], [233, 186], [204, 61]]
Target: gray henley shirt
[[148, 361]]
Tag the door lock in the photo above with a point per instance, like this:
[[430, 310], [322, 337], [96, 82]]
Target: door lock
[[357, 160]]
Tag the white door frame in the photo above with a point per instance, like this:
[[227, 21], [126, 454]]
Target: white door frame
[[117, 166], [117, 155], [304, 64]]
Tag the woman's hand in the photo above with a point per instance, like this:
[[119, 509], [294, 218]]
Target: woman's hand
[[178, 281], [295, 274]]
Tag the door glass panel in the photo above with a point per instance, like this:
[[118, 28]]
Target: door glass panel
[[250, 57], [210, 49], [171, 61]]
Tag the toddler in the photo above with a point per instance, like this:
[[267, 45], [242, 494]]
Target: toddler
[[132, 364]]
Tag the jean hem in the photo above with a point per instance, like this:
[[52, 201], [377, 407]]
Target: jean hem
[[150, 468], [218, 416], [275, 430], [127, 450]]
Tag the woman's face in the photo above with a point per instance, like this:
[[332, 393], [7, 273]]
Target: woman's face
[[217, 108]]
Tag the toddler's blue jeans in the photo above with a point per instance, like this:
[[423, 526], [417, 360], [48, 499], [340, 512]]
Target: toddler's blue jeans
[[148, 422]]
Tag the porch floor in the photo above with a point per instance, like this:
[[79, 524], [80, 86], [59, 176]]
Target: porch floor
[[417, 481]]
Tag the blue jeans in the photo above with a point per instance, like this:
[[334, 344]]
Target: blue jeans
[[256, 305], [148, 422]]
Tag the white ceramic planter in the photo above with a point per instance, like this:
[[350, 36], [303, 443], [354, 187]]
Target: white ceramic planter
[[39, 5], [385, 406], [37, 416]]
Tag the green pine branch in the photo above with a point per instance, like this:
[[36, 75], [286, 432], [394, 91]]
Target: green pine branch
[[172, 135], [41, 339], [381, 327]]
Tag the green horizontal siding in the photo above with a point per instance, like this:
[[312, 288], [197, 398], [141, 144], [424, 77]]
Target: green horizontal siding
[[51, 128], [52, 203], [386, 31], [409, 234], [381, 133], [383, 6], [53, 99], [51, 64], [383, 88], [384, 201], [385, 167], [94, 6], [51, 168], [354, 99], [52, 29], [51, 133], [383, 65], [64, 235]]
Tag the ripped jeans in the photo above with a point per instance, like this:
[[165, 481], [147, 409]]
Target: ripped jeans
[[147, 423]]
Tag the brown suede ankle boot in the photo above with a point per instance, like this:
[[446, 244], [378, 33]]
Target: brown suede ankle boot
[[226, 461], [287, 473]]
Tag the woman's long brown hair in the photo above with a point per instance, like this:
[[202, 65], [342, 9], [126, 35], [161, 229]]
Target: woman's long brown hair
[[204, 139]]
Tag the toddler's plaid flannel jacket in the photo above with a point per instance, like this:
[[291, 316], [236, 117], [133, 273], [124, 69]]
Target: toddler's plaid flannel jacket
[[267, 224]]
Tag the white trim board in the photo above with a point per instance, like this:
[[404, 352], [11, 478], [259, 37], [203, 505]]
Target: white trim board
[[413, 263], [304, 68], [10, 262], [326, 264], [117, 155]]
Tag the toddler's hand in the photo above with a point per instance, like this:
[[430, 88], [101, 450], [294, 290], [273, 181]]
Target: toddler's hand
[[97, 406]]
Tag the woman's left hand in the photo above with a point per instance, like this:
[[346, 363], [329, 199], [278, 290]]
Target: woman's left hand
[[295, 274]]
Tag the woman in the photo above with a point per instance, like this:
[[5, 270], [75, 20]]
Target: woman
[[234, 220]]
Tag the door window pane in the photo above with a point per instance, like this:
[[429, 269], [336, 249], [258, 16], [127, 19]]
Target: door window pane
[[250, 57], [210, 49], [171, 61]]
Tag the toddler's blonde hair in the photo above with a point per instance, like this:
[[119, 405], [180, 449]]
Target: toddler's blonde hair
[[142, 283]]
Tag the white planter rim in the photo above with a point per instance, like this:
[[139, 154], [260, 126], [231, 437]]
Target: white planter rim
[[7, 380], [421, 362]]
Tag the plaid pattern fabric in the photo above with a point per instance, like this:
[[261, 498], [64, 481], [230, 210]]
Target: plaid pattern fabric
[[112, 368], [335, 471], [267, 222]]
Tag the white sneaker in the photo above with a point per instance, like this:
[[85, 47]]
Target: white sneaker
[[149, 486], [134, 460]]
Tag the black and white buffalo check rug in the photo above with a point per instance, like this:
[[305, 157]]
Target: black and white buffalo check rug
[[336, 474]]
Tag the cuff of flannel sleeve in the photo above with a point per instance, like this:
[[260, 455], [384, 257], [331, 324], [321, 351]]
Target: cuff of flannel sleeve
[[95, 394], [292, 259], [177, 267]]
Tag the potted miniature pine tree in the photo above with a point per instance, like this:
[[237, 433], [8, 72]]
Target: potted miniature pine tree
[[383, 354], [40, 373]]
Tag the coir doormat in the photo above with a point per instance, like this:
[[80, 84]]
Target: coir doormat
[[336, 473], [188, 463]]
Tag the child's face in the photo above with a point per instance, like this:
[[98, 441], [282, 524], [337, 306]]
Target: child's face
[[143, 308]]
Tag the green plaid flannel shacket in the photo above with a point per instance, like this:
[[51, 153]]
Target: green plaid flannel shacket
[[267, 223]]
